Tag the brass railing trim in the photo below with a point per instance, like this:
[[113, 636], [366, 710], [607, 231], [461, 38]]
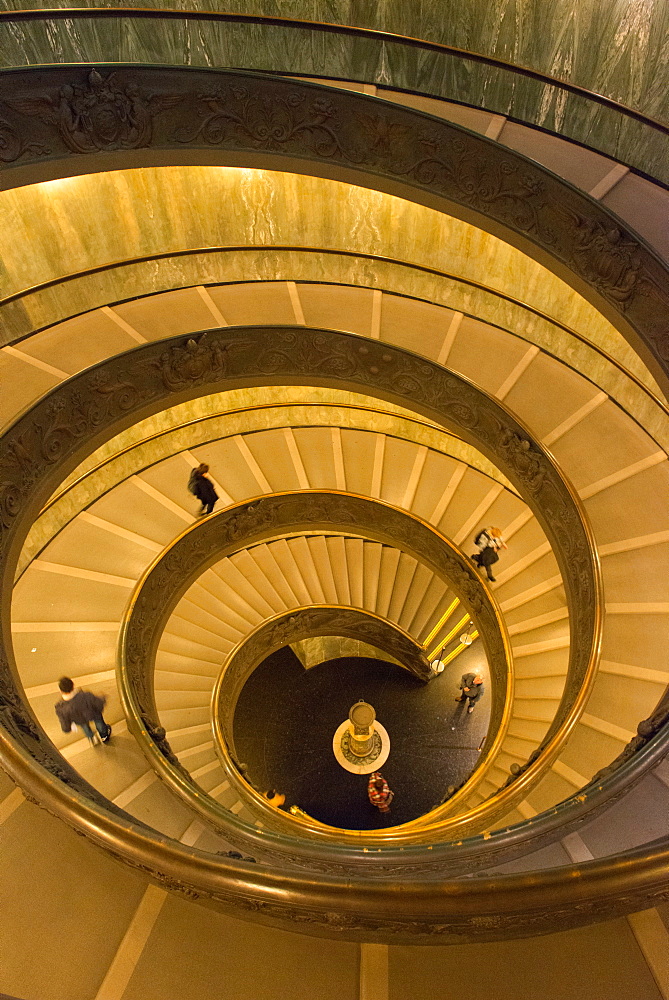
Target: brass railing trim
[[437, 912], [532, 209], [136, 685], [274, 818], [284, 248], [325, 251], [82, 13]]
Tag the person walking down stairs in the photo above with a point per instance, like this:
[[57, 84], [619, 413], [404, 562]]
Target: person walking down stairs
[[81, 708], [201, 486], [488, 542]]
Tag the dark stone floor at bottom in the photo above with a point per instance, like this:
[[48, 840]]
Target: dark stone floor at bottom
[[286, 717]]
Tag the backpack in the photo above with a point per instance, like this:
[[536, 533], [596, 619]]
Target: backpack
[[480, 536], [192, 483]]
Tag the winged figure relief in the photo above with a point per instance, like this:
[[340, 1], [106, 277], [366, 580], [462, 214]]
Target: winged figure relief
[[101, 114]]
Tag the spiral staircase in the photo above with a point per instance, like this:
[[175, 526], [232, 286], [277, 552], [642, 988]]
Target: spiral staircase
[[392, 279]]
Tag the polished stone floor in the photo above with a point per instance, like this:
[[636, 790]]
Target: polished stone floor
[[286, 717]]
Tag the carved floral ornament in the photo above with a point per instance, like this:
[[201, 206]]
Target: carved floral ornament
[[292, 626], [48, 441], [208, 541], [55, 113], [568, 226]]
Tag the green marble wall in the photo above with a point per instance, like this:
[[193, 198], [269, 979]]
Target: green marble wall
[[613, 47]]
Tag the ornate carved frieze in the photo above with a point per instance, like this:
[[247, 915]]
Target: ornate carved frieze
[[69, 111], [100, 113], [220, 535], [12, 146], [48, 441], [223, 533]]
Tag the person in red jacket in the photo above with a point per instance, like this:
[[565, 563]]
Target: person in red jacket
[[80, 708], [379, 793]]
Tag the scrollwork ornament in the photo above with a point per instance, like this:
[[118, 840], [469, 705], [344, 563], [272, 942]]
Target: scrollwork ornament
[[46, 442], [198, 360], [236, 114], [135, 108], [100, 114], [13, 146]]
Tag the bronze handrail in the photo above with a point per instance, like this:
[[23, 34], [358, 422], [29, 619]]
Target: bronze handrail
[[434, 912], [81, 13], [216, 116], [136, 383], [175, 569]]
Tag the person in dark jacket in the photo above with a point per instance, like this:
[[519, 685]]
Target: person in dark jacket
[[488, 542], [472, 689], [80, 708], [201, 486]]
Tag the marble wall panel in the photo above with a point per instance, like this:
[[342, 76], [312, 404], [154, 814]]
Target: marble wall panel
[[615, 49], [101, 219]]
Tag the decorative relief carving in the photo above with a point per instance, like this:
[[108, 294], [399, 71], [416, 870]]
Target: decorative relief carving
[[158, 736], [235, 114], [81, 111], [609, 260], [16, 721], [100, 114], [520, 456], [12, 146], [494, 186], [51, 436], [200, 359]]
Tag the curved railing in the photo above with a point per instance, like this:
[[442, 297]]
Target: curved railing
[[48, 442], [40, 443], [132, 385], [367, 55], [219, 535], [229, 117], [433, 912]]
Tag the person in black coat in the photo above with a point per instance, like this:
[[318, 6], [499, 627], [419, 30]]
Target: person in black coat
[[201, 486], [488, 542], [80, 708]]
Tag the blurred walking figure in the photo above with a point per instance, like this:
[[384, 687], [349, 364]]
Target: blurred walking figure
[[81, 708], [379, 793], [472, 689], [201, 486], [488, 542]]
